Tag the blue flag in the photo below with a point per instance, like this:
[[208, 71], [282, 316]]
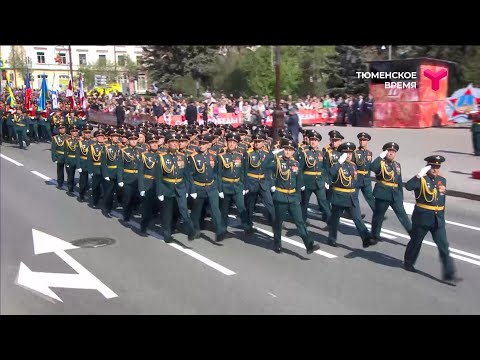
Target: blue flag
[[42, 99]]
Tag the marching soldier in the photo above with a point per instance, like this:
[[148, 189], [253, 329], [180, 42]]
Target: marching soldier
[[141, 139], [429, 216], [345, 196], [311, 163], [172, 188], [55, 120], [203, 169], [217, 144], [149, 171], [94, 164], [109, 160], [21, 123], [288, 185], [58, 154], [388, 190], [230, 180], [70, 120], [71, 145], [256, 181], [363, 159], [330, 157], [127, 174], [242, 144], [34, 116], [44, 124], [82, 160]]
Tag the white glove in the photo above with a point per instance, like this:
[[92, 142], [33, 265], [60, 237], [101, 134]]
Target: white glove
[[79, 170], [245, 192], [327, 186], [186, 195], [342, 158], [222, 196], [107, 178], [161, 198], [28, 131], [56, 162], [67, 166], [90, 175], [120, 184], [142, 193], [272, 189], [276, 151], [194, 195], [302, 188], [424, 171], [383, 154]]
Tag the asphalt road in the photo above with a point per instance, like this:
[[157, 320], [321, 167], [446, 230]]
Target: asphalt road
[[149, 276]]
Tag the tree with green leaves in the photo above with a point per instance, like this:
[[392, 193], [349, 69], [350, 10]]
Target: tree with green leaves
[[17, 60]]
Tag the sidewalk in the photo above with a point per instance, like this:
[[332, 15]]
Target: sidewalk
[[416, 144]]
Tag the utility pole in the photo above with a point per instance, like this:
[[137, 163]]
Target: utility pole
[[389, 52], [71, 61], [278, 115]]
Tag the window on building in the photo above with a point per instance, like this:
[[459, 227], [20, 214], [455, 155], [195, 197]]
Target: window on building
[[40, 57], [82, 59], [102, 59], [141, 83], [63, 58], [121, 60], [11, 78], [139, 59]]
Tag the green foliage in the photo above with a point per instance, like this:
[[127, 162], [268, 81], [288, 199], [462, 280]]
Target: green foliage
[[17, 60]]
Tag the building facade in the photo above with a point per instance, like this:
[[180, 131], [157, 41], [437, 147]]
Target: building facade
[[53, 61]]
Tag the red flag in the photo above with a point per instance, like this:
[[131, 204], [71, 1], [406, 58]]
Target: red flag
[[69, 93]]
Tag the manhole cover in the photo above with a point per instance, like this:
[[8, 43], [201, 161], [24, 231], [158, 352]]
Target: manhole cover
[[93, 242]]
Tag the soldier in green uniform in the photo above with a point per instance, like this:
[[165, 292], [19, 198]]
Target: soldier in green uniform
[[231, 172], [127, 174], [2, 119], [242, 145], [388, 190], [83, 149], [217, 144], [330, 158], [287, 187], [22, 123], [345, 196], [56, 119], [70, 120], [141, 139], [58, 154], [110, 157], [44, 124], [429, 216], [148, 172], [172, 188], [34, 116], [362, 157], [202, 166], [94, 165], [311, 164], [71, 146], [256, 181]]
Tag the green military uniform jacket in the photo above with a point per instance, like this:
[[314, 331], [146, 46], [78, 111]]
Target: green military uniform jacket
[[128, 164], [203, 168], [219, 148], [21, 121], [256, 176], [330, 158], [149, 171], [83, 149], [311, 163], [143, 147], [430, 200], [231, 172], [58, 148], [110, 158], [344, 183], [174, 178], [363, 159], [71, 145], [94, 158], [70, 121], [389, 180], [288, 179]]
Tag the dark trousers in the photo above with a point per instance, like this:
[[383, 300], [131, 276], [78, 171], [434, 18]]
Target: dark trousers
[[198, 207], [45, 131], [322, 203], [11, 132], [368, 195], [71, 177], [96, 188], [354, 212], [239, 203], [34, 133], [381, 207], [251, 201], [168, 205], [476, 139], [439, 236], [109, 187], [22, 136], [60, 174], [148, 207], [129, 196], [83, 184], [295, 211]]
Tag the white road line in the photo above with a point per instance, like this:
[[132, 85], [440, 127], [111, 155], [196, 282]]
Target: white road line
[[11, 160], [463, 225], [192, 253], [44, 177], [296, 243]]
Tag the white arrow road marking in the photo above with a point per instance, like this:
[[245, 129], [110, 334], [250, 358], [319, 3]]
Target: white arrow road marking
[[42, 282], [11, 160]]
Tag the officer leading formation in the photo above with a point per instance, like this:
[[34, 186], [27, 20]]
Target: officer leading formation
[[186, 174]]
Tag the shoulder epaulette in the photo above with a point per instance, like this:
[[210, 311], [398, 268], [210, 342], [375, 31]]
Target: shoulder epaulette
[[250, 150]]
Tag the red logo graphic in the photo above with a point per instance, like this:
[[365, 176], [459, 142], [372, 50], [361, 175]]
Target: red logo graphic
[[435, 77]]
